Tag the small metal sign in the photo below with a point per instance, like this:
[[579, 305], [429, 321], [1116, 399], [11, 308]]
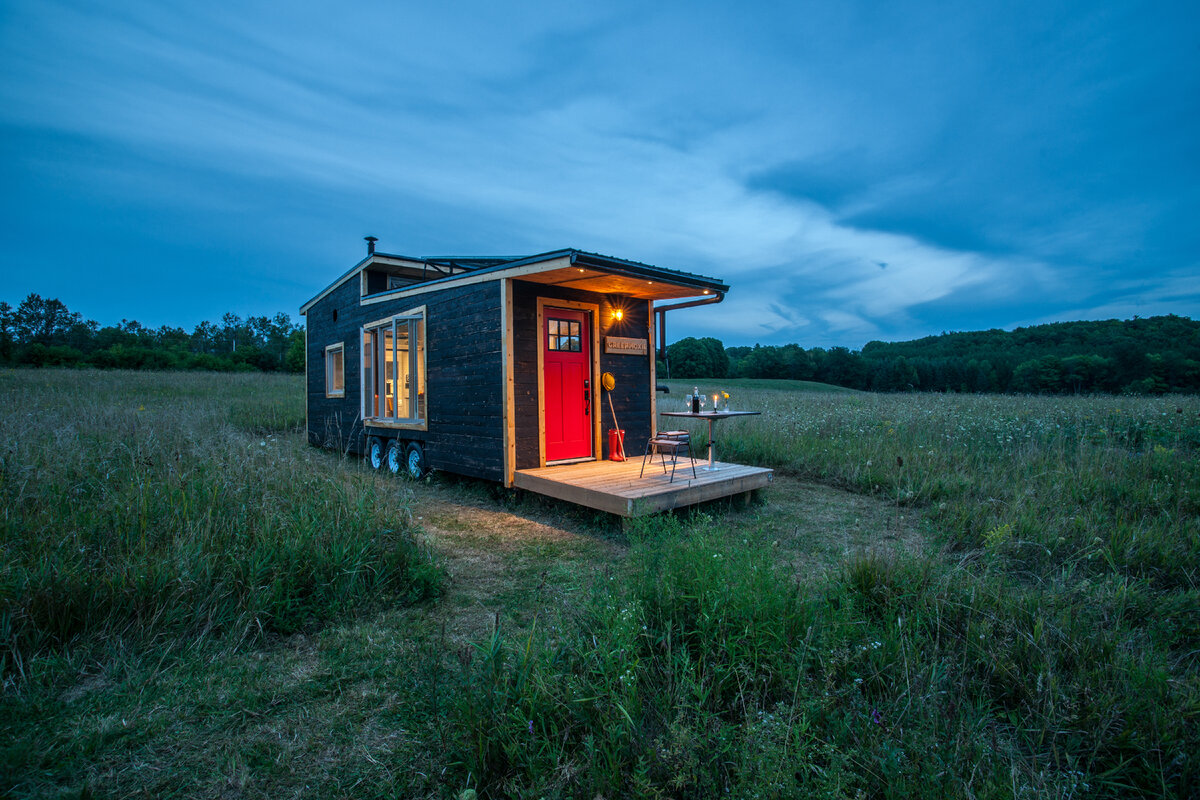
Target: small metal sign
[[624, 346]]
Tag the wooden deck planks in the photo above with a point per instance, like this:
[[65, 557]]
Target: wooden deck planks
[[616, 488]]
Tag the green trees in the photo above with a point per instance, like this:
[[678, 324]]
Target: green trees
[[44, 332], [697, 358], [1138, 356]]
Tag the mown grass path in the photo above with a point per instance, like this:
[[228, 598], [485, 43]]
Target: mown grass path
[[519, 558], [520, 568]]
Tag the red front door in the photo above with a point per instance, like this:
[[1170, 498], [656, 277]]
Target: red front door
[[567, 361]]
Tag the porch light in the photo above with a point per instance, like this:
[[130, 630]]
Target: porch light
[[618, 314]]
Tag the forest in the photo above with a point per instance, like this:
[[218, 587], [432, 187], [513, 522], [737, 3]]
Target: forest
[[43, 332], [1152, 355]]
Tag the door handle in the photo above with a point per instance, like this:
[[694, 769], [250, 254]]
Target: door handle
[[587, 398]]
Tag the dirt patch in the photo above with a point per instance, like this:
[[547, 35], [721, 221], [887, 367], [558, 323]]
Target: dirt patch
[[819, 526], [505, 563]]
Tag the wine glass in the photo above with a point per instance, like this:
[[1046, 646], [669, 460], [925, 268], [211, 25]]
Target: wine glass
[[702, 399]]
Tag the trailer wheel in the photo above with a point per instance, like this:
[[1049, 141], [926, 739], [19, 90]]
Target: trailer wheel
[[394, 457], [414, 461], [375, 452]]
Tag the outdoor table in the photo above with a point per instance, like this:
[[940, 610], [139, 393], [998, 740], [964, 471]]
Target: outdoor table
[[711, 416]]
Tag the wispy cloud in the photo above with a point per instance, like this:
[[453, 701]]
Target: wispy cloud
[[854, 172]]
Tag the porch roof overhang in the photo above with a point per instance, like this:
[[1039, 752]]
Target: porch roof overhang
[[591, 272], [575, 269]]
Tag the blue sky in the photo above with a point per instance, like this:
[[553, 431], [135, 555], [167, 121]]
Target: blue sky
[[855, 171]]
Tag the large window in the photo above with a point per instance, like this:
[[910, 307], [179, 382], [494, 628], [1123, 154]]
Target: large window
[[394, 369], [335, 370]]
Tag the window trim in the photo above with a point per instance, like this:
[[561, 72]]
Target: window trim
[[338, 348], [418, 361]]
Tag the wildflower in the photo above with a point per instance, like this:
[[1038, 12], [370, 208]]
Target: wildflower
[[531, 727], [876, 717]]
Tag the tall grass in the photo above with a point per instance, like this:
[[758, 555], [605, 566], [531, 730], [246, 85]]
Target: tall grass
[[139, 504], [1053, 651], [713, 672], [1092, 484]]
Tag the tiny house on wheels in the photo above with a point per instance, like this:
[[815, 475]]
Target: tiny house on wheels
[[491, 367]]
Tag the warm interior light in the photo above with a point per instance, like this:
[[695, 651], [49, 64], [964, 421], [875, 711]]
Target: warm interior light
[[618, 315], [706, 291]]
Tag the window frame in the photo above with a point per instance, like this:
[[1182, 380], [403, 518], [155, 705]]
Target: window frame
[[335, 350], [556, 338], [414, 320]]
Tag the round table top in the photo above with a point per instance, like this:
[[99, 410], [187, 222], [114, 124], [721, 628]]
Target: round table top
[[708, 414]]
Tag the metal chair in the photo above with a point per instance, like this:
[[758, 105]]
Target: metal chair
[[672, 442]]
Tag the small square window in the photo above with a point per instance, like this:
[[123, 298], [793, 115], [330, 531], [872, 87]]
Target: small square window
[[563, 335]]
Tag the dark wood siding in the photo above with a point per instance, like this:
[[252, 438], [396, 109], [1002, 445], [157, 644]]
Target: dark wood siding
[[464, 370], [334, 421], [632, 396], [463, 376], [466, 399]]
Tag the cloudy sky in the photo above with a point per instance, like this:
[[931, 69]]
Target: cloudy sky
[[855, 171]]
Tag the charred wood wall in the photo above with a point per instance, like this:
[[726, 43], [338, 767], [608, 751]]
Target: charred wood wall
[[464, 367], [464, 392]]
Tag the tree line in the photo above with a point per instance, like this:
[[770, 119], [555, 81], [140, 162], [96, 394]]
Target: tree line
[[1150, 355], [44, 332], [1153, 355]]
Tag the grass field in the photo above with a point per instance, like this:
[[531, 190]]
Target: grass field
[[969, 596]]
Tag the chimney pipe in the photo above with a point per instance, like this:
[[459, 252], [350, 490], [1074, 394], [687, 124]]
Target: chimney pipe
[[371, 240]]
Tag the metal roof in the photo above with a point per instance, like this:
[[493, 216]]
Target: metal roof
[[484, 265], [595, 260]]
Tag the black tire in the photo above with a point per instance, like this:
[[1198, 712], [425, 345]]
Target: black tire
[[414, 461], [375, 452], [394, 458]]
